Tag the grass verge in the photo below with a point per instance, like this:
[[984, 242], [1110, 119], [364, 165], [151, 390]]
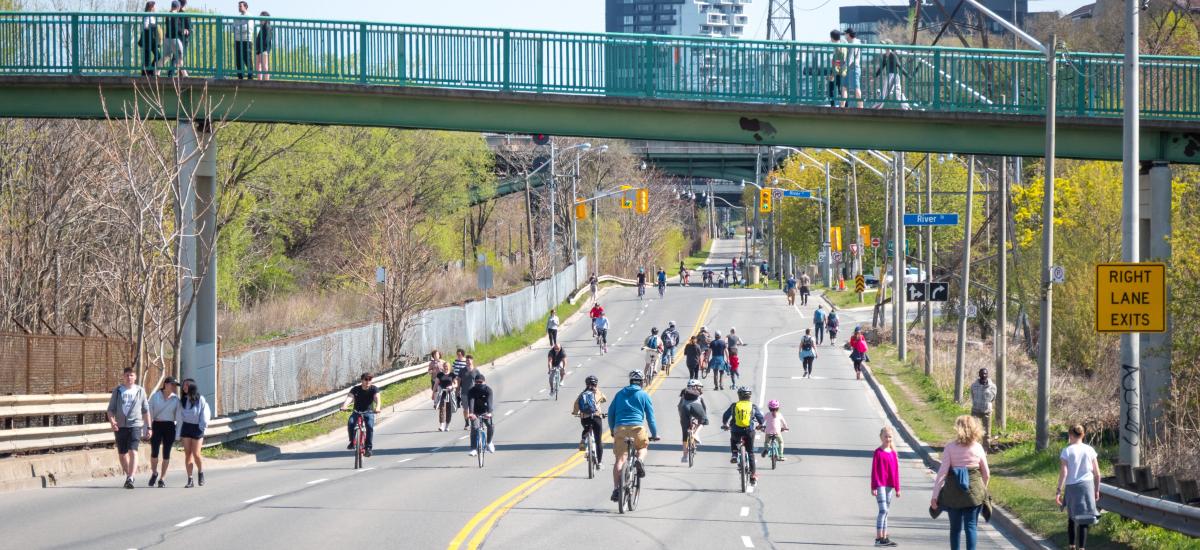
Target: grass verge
[[848, 299], [696, 260], [395, 393], [1023, 479]]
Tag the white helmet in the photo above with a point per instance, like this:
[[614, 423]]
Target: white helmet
[[693, 383]]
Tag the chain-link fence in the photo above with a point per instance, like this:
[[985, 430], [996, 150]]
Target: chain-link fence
[[311, 365]]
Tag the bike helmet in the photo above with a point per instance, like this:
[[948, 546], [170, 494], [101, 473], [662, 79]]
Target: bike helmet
[[693, 383], [671, 324], [773, 404], [591, 380], [744, 392], [653, 330], [635, 377]]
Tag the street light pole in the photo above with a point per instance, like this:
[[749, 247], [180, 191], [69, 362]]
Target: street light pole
[[965, 291], [825, 239], [1042, 437], [553, 215], [1130, 381]]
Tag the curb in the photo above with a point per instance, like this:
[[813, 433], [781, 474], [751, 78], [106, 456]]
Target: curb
[[1003, 520]]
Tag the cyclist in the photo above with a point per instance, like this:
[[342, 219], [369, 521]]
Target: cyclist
[[692, 407], [670, 338], [774, 425], [556, 359], [641, 282], [600, 327], [595, 313], [365, 397], [481, 402], [742, 419], [630, 407], [654, 347], [587, 408], [702, 341], [662, 282], [719, 363], [466, 381], [594, 286]]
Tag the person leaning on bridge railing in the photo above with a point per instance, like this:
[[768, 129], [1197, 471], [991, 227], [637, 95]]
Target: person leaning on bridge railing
[[263, 41], [893, 86], [149, 41], [243, 45]]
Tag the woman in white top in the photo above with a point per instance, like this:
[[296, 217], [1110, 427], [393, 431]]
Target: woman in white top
[[1080, 473], [190, 423], [164, 405], [552, 328]]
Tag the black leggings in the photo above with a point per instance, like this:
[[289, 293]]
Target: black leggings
[[693, 370], [746, 436], [164, 435], [808, 363], [1077, 534], [594, 424]]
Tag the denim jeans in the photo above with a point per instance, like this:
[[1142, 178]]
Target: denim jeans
[[963, 519], [369, 420]]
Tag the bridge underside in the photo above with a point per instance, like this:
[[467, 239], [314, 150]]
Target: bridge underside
[[595, 116]]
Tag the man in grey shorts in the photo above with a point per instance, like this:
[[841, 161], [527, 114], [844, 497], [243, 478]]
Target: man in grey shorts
[[129, 416]]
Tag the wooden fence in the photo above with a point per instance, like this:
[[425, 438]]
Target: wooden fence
[[47, 364]]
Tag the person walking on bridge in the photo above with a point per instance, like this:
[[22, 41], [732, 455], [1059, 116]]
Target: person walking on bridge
[[243, 45], [837, 70], [893, 87]]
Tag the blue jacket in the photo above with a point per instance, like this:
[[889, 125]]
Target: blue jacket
[[630, 407]]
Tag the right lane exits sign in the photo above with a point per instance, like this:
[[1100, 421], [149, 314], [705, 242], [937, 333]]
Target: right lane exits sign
[[1131, 297]]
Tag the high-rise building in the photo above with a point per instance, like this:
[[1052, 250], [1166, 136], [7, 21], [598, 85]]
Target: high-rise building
[[710, 18]]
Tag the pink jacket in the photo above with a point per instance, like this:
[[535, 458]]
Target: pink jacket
[[859, 344], [774, 423], [885, 470]]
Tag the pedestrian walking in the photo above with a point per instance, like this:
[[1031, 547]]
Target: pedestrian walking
[[808, 352], [819, 324], [164, 405], [1078, 487], [805, 281], [854, 67], [858, 351], [983, 393], [178, 27], [263, 41], [129, 416], [243, 42], [149, 41], [718, 362], [893, 86], [734, 363], [961, 484], [832, 323], [790, 289], [190, 423], [691, 354], [885, 482], [837, 70], [552, 328], [435, 367]]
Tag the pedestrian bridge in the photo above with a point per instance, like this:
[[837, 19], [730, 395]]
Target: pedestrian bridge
[[73, 65]]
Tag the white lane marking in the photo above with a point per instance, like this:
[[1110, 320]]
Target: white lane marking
[[543, 390], [362, 470], [508, 413], [462, 438], [256, 499], [747, 542], [403, 460], [435, 449], [810, 409], [316, 481], [810, 378], [762, 386], [525, 401], [626, 332], [745, 511], [186, 523]]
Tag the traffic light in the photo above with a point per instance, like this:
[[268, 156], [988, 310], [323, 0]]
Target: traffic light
[[626, 200], [865, 232], [580, 210], [835, 238], [541, 139], [642, 205], [764, 200]]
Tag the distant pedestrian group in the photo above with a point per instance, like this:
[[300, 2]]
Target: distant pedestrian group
[[167, 45], [175, 413], [845, 73]]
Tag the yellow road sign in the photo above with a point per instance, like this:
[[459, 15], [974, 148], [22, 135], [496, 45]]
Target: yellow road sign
[[1131, 297], [860, 284], [865, 232], [835, 238], [642, 205]]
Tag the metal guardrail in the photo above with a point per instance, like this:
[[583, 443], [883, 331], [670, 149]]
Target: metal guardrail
[[219, 430], [619, 65]]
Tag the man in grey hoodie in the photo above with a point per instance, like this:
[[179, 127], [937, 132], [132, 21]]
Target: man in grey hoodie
[[129, 416]]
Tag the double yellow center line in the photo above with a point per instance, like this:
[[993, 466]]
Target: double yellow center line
[[482, 523]]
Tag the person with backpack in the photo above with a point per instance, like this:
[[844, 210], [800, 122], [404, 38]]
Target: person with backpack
[[653, 347], [742, 419], [670, 342], [831, 326], [702, 341], [858, 351], [720, 360], [808, 352], [587, 408], [819, 324], [692, 406]]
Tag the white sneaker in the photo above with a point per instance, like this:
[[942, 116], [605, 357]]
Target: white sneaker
[[473, 452], [683, 459], [491, 447]]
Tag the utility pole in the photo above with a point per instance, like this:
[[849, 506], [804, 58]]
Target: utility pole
[[897, 222], [901, 262], [553, 240], [828, 227], [574, 224], [964, 298], [1000, 341], [1042, 438], [1131, 361], [928, 268], [857, 228]]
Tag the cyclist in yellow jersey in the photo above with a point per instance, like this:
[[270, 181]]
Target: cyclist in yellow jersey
[[742, 419]]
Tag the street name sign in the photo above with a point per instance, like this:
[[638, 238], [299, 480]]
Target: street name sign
[[931, 219], [796, 194], [1131, 297]]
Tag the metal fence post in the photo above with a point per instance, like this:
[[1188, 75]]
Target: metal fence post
[[648, 56], [362, 53], [75, 44], [937, 79], [793, 74], [219, 68], [506, 59]]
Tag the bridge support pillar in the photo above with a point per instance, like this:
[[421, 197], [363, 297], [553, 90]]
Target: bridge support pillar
[[1155, 183], [196, 210]]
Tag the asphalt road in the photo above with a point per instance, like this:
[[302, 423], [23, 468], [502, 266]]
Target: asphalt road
[[422, 490]]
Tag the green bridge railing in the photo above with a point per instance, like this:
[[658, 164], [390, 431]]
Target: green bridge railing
[[620, 65]]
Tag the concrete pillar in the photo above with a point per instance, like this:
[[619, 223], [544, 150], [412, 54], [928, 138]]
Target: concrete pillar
[[196, 211], [1155, 196]]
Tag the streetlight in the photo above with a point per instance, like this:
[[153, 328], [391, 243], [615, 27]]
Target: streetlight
[[574, 184], [553, 190]]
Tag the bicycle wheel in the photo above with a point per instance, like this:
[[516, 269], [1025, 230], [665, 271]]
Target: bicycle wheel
[[590, 457], [774, 452], [623, 494], [743, 468], [691, 455], [358, 445], [555, 380], [635, 491], [481, 444]]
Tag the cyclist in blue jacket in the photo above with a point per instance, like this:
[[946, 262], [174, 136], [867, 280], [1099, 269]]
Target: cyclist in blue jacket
[[630, 408]]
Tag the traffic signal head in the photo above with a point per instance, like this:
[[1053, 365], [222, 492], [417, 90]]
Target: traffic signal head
[[541, 139], [764, 200]]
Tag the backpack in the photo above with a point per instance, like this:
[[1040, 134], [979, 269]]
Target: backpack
[[652, 342], [807, 343], [819, 317], [743, 412], [587, 402]]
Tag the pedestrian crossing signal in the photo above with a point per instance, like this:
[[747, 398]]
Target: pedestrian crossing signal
[[764, 200]]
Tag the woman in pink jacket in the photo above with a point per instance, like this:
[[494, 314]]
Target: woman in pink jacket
[[885, 480], [858, 351]]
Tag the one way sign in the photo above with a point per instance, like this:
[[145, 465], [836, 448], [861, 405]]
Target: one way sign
[[938, 292]]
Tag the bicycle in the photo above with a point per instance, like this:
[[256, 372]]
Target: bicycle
[[555, 381], [651, 368], [360, 438], [641, 290], [602, 340], [589, 442], [631, 484], [743, 465], [662, 289], [480, 428], [691, 442], [668, 356], [773, 450]]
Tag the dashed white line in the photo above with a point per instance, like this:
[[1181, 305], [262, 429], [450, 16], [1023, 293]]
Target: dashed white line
[[525, 401], [747, 542], [316, 481], [435, 449], [745, 511], [363, 470], [508, 413], [543, 390], [257, 499], [186, 523], [403, 460], [462, 438]]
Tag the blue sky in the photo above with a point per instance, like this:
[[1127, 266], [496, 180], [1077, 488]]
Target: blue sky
[[814, 17]]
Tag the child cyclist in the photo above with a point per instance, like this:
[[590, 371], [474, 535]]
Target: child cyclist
[[885, 483], [774, 425], [742, 418]]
